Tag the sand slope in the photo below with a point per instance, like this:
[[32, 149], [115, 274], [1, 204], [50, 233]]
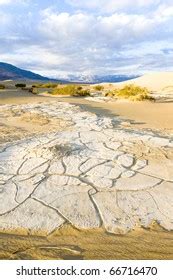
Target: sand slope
[[158, 81]]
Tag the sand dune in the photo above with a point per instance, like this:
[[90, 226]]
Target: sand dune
[[158, 81]]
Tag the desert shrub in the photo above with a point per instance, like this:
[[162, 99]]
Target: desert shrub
[[71, 90], [2, 86], [132, 92], [45, 85], [49, 85], [79, 88], [99, 88], [20, 85], [33, 90], [110, 93], [83, 92]]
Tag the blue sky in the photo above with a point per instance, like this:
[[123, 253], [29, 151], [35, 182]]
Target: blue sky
[[57, 38]]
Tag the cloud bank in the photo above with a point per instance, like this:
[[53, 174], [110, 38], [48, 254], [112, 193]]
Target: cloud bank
[[90, 37]]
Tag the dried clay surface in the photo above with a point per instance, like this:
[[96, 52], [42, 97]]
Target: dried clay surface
[[88, 172]]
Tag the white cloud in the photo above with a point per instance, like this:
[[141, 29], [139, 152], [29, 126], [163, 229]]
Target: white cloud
[[4, 19], [111, 5], [82, 41], [117, 29], [35, 54], [7, 2], [164, 11], [101, 42], [64, 25]]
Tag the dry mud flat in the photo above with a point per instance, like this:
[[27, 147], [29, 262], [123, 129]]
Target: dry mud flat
[[16, 124], [92, 174]]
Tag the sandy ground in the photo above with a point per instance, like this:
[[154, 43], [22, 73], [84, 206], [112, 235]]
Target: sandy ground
[[69, 243], [147, 115], [17, 124], [141, 114]]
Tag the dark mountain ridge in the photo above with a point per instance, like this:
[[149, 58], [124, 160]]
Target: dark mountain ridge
[[11, 72]]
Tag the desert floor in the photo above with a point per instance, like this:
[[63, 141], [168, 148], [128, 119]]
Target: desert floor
[[148, 240], [151, 115]]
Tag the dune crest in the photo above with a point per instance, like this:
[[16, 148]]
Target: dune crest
[[155, 81]]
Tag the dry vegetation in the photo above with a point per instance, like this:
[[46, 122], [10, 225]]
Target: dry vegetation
[[71, 90], [2, 86], [20, 85], [45, 85], [131, 92], [98, 88]]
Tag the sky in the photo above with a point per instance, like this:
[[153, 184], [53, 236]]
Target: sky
[[104, 37]]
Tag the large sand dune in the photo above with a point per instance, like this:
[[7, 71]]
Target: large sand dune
[[159, 81]]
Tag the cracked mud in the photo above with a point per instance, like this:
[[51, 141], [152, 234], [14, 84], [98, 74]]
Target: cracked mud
[[90, 174]]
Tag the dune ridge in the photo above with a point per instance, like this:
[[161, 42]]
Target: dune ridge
[[155, 81]]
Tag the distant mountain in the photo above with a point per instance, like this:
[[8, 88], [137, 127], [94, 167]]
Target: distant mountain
[[114, 78], [10, 72], [82, 78]]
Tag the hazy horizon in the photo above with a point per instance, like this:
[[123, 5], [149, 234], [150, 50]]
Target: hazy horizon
[[58, 38]]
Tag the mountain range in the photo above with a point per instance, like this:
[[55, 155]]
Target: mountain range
[[11, 72], [84, 78]]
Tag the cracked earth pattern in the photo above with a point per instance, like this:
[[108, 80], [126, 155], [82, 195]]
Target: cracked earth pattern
[[83, 176]]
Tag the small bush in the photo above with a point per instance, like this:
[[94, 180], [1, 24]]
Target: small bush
[[110, 93], [79, 88], [33, 90], [20, 85], [131, 92], [49, 85], [2, 86], [71, 90], [99, 88], [46, 85], [84, 92]]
